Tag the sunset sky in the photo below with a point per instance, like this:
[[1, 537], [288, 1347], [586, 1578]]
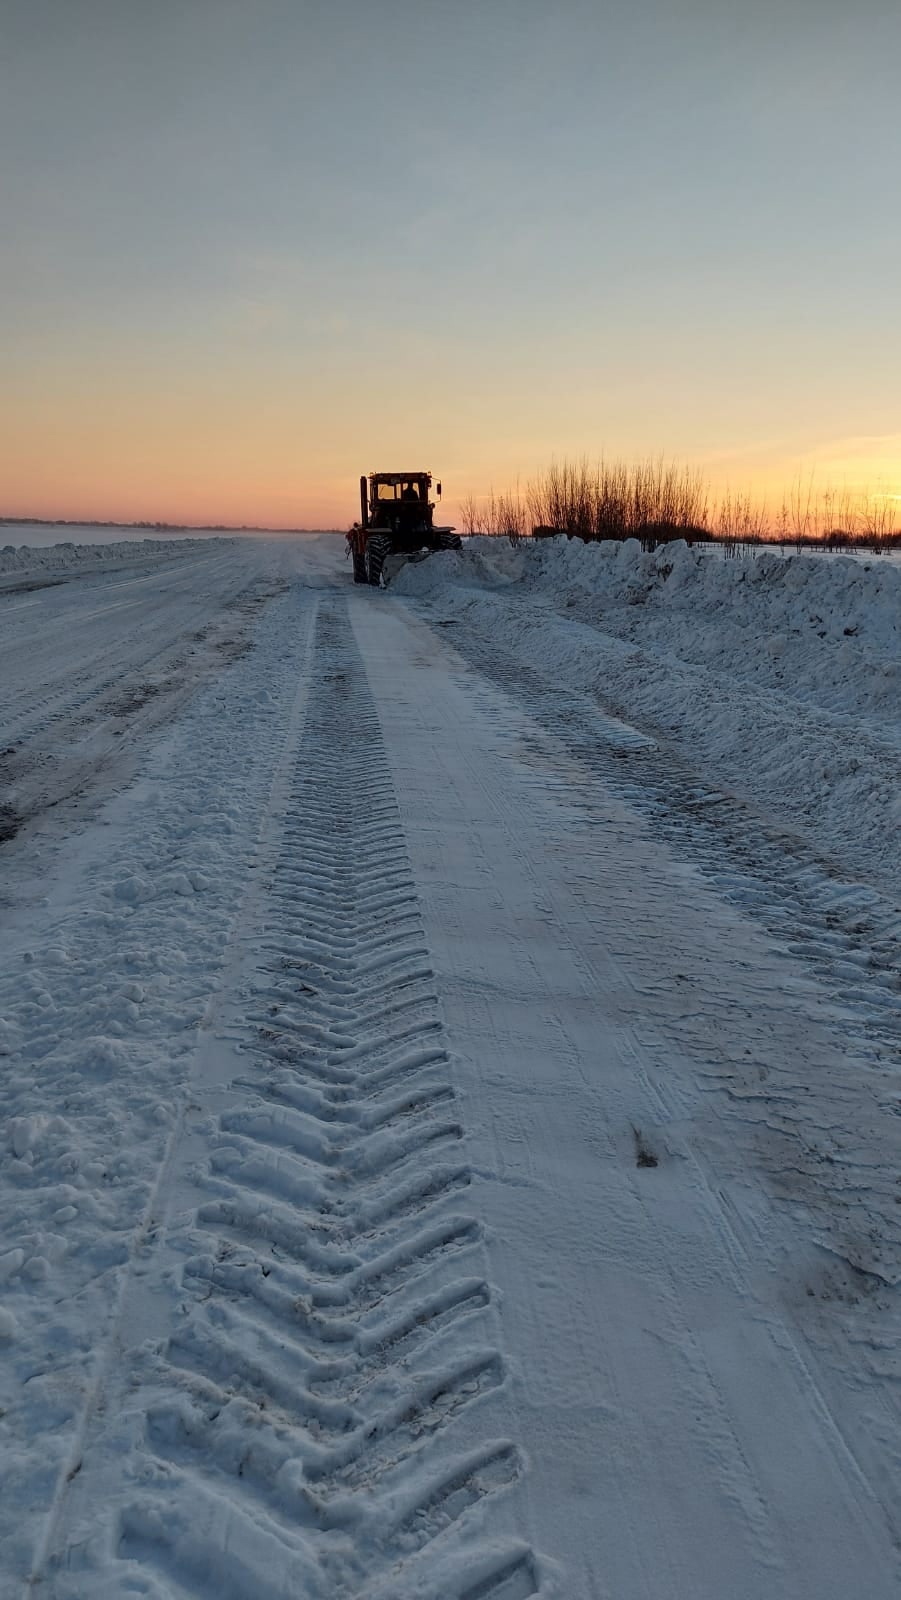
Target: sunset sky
[[253, 248]]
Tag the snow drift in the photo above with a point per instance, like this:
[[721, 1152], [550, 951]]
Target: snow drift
[[781, 674], [69, 557]]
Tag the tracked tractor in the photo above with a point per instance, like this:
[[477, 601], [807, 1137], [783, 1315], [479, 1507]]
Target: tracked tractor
[[396, 518]]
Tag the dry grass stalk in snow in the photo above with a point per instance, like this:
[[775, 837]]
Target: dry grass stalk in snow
[[656, 500]]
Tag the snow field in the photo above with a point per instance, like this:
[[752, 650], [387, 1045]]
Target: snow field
[[93, 663], [69, 557]]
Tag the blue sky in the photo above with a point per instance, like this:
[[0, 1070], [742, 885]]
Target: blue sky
[[251, 250]]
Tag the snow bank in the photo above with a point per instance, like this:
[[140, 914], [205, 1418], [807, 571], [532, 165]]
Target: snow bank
[[780, 674], [26, 558], [41, 534], [826, 628]]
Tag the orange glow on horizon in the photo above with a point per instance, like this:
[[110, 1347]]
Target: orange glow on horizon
[[206, 452]]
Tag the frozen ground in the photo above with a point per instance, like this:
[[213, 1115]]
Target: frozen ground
[[450, 1091]]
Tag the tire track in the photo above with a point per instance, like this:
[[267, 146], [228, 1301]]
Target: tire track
[[74, 731], [26, 715], [319, 1418], [846, 933]]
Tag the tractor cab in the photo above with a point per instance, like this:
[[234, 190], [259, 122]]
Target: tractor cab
[[399, 503]]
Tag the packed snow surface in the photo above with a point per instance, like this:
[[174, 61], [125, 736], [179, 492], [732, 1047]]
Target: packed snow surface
[[449, 1076]]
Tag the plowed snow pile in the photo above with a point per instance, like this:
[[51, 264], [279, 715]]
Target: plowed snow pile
[[781, 674]]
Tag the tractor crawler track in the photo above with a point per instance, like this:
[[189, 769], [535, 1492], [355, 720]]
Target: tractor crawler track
[[318, 1417]]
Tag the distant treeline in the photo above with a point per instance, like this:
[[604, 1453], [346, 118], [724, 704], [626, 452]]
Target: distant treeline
[[85, 522]]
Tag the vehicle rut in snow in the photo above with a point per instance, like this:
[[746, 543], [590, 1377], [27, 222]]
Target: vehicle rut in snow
[[846, 932], [316, 1418], [75, 701]]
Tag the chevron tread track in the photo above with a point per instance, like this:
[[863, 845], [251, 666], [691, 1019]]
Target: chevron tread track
[[315, 1423]]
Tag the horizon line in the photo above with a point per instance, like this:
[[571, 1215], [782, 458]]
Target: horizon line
[[158, 526]]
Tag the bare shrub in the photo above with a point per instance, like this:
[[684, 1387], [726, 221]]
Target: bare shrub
[[739, 521], [501, 516], [878, 521], [508, 517], [837, 519], [656, 501], [562, 498], [651, 501], [802, 510], [472, 516]]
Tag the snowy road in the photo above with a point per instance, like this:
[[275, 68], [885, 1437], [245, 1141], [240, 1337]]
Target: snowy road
[[439, 1160], [92, 660]]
